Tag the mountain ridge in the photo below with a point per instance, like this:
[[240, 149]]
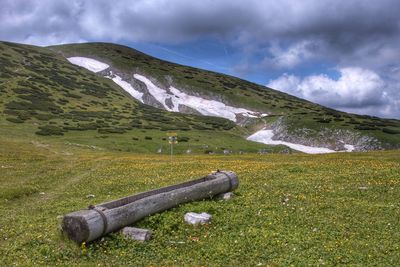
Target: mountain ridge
[[47, 70], [364, 130]]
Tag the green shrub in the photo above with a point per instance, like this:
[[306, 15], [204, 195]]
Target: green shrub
[[49, 130], [183, 139], [111, 130], [390, 131], [43, 117], [15, 119], [364, 128]]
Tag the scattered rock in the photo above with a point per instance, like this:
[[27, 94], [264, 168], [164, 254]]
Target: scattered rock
[[363, 188], [90, 196], [285, 200], [177, 242], [227, 151], [6, 167], [197, 218], [41, 193], [136, 233], [225, 196]]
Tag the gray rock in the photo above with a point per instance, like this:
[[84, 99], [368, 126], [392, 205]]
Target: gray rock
[[188, 110], [136, 233], [197, 218], [169, 103], [225, 196]]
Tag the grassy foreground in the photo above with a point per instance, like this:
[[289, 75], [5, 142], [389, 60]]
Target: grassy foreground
[[289, 209]]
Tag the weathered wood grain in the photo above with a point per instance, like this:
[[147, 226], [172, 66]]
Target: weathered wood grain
[[90, 224]]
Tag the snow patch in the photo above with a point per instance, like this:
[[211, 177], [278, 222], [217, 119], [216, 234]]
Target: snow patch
[[265, 136], [96, 66], [349, 148], [127, 87], [174, 97], [159, 94], [203, 106], [88, 63]]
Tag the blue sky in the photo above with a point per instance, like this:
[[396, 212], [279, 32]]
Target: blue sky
[[220, 56], [340, 53]]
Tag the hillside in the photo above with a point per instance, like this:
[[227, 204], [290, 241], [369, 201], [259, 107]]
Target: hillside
[[125, 100], [44, 97], [291, 119]]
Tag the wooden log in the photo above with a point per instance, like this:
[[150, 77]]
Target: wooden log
[[99, 220], [136, 234]]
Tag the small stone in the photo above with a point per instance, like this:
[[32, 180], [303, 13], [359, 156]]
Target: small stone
[[136, 233], [363, 188], [197, 218], [41, 193], [225, 196], [90, 196]]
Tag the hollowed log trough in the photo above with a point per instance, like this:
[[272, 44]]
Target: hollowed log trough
[[98, 220]]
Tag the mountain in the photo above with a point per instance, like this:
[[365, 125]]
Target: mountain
[[111, 96], [45, 98], [180, 88]]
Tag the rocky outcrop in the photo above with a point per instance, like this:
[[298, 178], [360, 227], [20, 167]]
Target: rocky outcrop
[[334, 139], [188, 110]]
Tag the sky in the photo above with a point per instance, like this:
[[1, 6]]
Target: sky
[[344, 54]]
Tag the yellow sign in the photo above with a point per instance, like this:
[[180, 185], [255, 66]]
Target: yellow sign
[[173, 140]]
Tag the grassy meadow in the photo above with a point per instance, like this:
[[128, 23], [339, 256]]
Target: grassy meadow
[[336, 209]]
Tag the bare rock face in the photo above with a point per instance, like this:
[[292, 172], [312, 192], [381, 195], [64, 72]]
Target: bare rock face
[[188, 110], [136, 233], [335, 139], [197, 218]]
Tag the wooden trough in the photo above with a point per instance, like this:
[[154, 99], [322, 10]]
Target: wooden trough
[[98, 220]]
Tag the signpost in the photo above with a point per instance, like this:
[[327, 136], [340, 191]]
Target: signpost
[[172, 140]]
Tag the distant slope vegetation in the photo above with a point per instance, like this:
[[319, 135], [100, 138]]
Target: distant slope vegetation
[[36, 83], [292, 119], [42, 93]]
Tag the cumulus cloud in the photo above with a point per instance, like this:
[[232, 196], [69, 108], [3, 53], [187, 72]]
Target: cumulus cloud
[[290, 57], [270, 35], [356, 90]]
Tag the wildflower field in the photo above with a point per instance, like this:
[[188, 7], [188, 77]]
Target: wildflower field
[[295, 209]]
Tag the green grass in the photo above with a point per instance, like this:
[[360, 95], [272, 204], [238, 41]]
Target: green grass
[[341, 209], [141, 140]]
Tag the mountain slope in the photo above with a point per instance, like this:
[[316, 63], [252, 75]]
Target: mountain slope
[[42, 93], [163, 85]]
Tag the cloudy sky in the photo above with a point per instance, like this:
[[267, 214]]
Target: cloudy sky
[[342, 54]]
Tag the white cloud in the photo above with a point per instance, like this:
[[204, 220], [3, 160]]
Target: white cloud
[[273, 35], [356, 90], [290, 57]]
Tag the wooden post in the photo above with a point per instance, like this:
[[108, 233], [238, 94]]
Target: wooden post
[[99, 220]]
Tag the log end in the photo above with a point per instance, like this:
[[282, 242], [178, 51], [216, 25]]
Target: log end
[[75, 227], [234, 181]]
